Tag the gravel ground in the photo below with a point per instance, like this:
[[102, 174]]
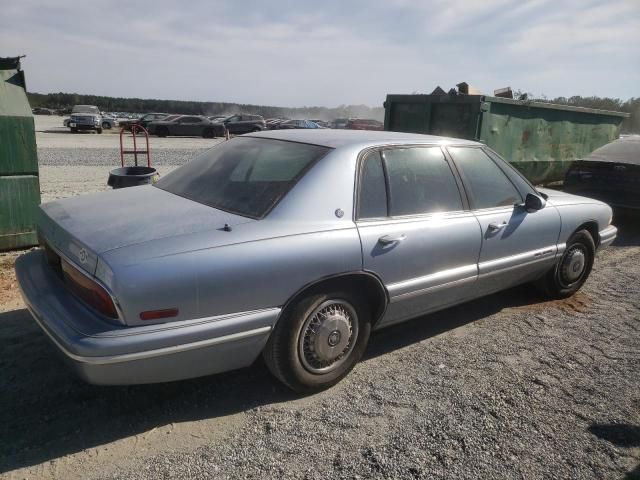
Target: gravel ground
[[509, 386]]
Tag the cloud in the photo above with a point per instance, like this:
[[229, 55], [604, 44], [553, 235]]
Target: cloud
[[294, 53]]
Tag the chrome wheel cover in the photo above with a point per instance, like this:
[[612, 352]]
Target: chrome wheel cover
[[573, 266], [328, 336]]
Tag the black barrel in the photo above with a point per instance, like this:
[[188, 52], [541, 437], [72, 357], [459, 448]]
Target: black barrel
[[131, 176]]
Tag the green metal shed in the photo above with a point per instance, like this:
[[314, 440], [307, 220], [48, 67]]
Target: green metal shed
[[19, 185], [539, 139]]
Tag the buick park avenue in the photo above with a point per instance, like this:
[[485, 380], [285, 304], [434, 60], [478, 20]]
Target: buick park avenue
[[294, 245]]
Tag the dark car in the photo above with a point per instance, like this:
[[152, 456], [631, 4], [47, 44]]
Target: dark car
[[291, 124], [340, 123], [244, 123], [187, 125], [611, 174], [144, 120], [364, 124]]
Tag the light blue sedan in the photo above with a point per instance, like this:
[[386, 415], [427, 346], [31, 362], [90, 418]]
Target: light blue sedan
[[294, 245]]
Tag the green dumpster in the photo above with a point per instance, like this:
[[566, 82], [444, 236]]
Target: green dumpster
[[19, 185], [539, 139]]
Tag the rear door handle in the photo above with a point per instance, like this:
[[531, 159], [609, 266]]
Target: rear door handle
[[387, 239], [494, 227]]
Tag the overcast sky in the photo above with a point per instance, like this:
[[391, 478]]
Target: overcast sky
[[297, 53]]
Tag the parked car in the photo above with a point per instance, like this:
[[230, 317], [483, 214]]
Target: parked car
[[294, 124], [217, 118], [42, 111], [321, 123], [239, 124], [107, 122], [364, 124], [340, 123], [249, 255], [186, 125], [85, 117], [271, 123], [611, 174], [143, 121]]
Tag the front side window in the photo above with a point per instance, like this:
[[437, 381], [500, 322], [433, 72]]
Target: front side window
[[486, 183], [246, 176], [420, 181]]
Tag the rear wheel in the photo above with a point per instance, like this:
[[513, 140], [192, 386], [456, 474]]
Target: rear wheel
[[254, 130], [318, 341], [99, 130], [208, 133], [162, 131], [74, 130], [106, 125], [573, 269]]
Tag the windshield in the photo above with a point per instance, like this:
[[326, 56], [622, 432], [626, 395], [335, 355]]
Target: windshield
[[247, 176], [85, 109]]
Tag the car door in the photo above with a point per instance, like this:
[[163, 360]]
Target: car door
[[233, 124], [517, 245], [417, 235]]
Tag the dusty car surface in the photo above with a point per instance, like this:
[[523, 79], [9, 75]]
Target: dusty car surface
[[294, 245]]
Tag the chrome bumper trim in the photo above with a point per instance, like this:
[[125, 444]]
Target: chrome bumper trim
[[130, 357]]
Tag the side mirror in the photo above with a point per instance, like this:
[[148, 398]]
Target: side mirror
[[534, 203]]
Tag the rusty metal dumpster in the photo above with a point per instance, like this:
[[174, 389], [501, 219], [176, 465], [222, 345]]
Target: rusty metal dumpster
[[19, 185], [539, 139]]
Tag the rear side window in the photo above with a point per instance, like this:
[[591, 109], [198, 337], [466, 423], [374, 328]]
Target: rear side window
[[420, 181], [246, 176], [372, 202], [486, 183]]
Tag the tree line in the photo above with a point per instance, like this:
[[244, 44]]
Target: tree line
[[62, 101]]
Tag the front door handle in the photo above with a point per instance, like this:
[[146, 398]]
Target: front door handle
[[494, 227], [387, 239]]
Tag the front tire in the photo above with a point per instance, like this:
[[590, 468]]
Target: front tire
[[99, 130], [318, 341], [573, 269]]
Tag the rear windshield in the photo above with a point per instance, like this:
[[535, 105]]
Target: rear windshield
[[247, 176]]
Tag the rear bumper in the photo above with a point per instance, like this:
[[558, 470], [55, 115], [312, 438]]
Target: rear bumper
[[106, 354], [607, 236]]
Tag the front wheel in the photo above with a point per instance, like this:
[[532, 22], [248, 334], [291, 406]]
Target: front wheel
[[318, 341], [99, 130], [573, 269], [106, 125]]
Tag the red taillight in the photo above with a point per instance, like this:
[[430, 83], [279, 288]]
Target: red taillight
[[88, 290], [158, 314]]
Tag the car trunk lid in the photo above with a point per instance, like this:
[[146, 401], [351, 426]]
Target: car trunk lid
[[81, 228]]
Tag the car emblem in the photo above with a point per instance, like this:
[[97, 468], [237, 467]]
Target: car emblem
[[82, 255]]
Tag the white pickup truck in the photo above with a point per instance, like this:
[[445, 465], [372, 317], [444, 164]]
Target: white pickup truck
[[87, 117]]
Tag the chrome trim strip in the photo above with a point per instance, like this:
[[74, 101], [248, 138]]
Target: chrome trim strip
[[561, 248], [130, 357], [437, 279], [519, 259], [435, 288]]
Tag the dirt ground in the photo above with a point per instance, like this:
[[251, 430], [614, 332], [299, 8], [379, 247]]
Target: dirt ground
[[509, 386]]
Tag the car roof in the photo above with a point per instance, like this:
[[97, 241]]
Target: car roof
[[360, 138]]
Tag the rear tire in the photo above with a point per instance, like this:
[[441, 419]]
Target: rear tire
[[209, 133], [106, 125], [317, 342], [99, 130], [74, 130], [162, 131], [573, 269]]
